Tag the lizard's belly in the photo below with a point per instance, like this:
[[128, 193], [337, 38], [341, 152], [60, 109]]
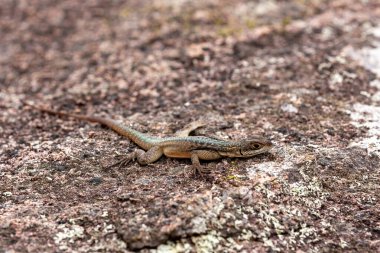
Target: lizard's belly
[[172, 152]]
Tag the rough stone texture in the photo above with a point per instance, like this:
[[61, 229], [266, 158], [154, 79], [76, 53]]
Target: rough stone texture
[[303, 73]]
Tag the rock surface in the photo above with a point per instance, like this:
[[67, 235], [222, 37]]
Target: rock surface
[[303, 73]]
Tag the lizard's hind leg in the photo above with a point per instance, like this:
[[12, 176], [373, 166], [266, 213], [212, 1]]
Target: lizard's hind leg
[[142, 157], [150, 156]]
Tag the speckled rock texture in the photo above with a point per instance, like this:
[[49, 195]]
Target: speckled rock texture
[[304, 74]]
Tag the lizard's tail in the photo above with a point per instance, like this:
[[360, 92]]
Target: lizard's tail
[[72, 115], [137, 137]]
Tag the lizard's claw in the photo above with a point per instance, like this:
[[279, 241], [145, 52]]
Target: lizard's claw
[[122, 162], [202, 171]]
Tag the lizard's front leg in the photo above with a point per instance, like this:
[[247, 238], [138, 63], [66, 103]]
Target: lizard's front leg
[[204, 155], [142, 157], [190, 128]]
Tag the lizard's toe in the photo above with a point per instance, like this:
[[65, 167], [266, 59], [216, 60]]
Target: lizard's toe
[[202, 171], [123, 162]]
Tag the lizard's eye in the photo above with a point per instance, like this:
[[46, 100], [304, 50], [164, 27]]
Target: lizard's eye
[[257, 146]]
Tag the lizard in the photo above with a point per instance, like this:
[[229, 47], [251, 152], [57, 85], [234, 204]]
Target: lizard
[[182, 145]]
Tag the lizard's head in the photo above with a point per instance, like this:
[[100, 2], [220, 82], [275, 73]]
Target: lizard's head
[[250, 147]]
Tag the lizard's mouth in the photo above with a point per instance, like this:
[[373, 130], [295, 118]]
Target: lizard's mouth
[[241, 152]]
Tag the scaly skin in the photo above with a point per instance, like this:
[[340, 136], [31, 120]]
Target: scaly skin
[[183, 146]]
